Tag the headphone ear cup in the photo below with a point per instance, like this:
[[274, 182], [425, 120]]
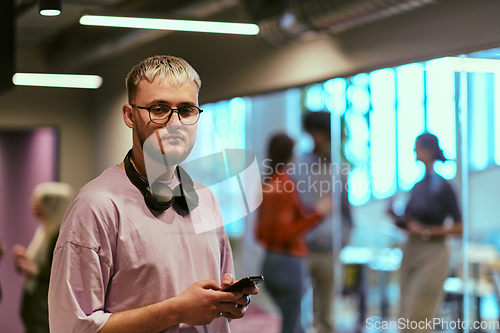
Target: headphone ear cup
[[159, 196], [184, 193], [186, 197]]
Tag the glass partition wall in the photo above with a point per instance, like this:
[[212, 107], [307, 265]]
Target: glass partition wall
[[376, 119]]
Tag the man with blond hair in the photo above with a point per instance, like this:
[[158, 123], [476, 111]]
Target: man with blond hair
[[128, 258]]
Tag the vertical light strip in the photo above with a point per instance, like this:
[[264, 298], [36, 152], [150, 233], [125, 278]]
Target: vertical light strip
[[383, 133], [464, 139], [336, 101], [478, 121], [235, 133], [292, 114], [358, 95], [410, 122], [357, 152], [314, 97], [496, 114], [359, 138], [441, 111]]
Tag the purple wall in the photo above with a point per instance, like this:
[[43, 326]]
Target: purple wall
[[27, 157]]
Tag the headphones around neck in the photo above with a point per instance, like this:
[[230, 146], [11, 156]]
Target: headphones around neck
[[160, 196]]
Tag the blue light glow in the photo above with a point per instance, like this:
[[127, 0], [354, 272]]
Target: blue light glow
[[410, 121], [336, 100], [478, 121], [383, 133], [447, 169], [314, 98], [496, 114], [358, 95], [357, 145], [441, 100], [359, 186]]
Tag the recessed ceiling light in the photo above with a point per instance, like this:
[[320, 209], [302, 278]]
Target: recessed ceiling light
[[57, 80], [168, 24]]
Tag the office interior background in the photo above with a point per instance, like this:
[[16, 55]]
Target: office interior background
[[386, 70]]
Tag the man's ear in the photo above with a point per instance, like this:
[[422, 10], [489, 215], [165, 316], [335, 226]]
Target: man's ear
[[128, 116]]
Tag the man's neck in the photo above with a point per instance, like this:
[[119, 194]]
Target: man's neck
[[157, 170]]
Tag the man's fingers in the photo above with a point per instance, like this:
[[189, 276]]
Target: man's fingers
[[244, 300], [227, 279], [252, 290], [227, 307], [237, 313], [209, 284]]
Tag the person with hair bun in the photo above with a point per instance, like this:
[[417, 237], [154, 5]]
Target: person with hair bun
[[425, 264], [49, 202]]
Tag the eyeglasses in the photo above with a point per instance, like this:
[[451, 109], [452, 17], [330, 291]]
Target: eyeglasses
[[161, 113]]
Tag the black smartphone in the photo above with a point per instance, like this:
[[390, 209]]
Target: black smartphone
[[245, 282]]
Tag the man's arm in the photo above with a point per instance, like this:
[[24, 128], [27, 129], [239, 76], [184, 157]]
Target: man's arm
[[199, 304]]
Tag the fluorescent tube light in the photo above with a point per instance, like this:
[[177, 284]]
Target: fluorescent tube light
[[50, 12], [167, 24], [57, 80], [50, 7]]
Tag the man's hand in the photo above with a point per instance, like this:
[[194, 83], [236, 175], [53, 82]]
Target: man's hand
[[202, 302], [242, 298]]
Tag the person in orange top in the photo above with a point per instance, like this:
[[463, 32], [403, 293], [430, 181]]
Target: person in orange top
[[281, 227]]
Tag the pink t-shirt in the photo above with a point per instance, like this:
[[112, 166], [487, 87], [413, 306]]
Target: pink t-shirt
[[114, 254]]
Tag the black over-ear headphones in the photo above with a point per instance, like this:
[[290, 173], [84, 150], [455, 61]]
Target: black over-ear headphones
[[160, 196]]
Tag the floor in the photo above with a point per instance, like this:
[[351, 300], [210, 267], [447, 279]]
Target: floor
[[262, 317]]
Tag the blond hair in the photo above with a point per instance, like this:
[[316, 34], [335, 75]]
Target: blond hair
[[55, 198], [162, 67]]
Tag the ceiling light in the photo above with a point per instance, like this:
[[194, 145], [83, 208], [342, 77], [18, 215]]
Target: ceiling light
[[167, 24], [57, 80], [50, 7]]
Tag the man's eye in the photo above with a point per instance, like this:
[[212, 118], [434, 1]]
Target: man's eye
[[159, 109], [188, 111]]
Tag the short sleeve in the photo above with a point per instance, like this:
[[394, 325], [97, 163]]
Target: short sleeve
[[77, 290], [82, 267]]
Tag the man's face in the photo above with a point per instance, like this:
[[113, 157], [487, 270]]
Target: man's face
[[176, 139]]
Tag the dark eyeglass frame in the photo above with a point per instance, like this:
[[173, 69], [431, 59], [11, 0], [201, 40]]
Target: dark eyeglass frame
[[171, 112]]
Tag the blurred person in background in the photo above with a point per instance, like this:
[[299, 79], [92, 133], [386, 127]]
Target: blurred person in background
[[281, 227], [425, 263], [322, 176], [48, 203]]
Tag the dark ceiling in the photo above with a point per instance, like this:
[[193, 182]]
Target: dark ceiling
[[61, 44]]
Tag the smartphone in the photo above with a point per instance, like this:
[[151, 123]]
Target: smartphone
[[245, 282]]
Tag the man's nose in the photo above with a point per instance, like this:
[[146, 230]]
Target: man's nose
[[174, 119]]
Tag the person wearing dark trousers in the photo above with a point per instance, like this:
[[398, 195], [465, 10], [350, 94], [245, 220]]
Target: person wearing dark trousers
[[281, 226], [324, 250]]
